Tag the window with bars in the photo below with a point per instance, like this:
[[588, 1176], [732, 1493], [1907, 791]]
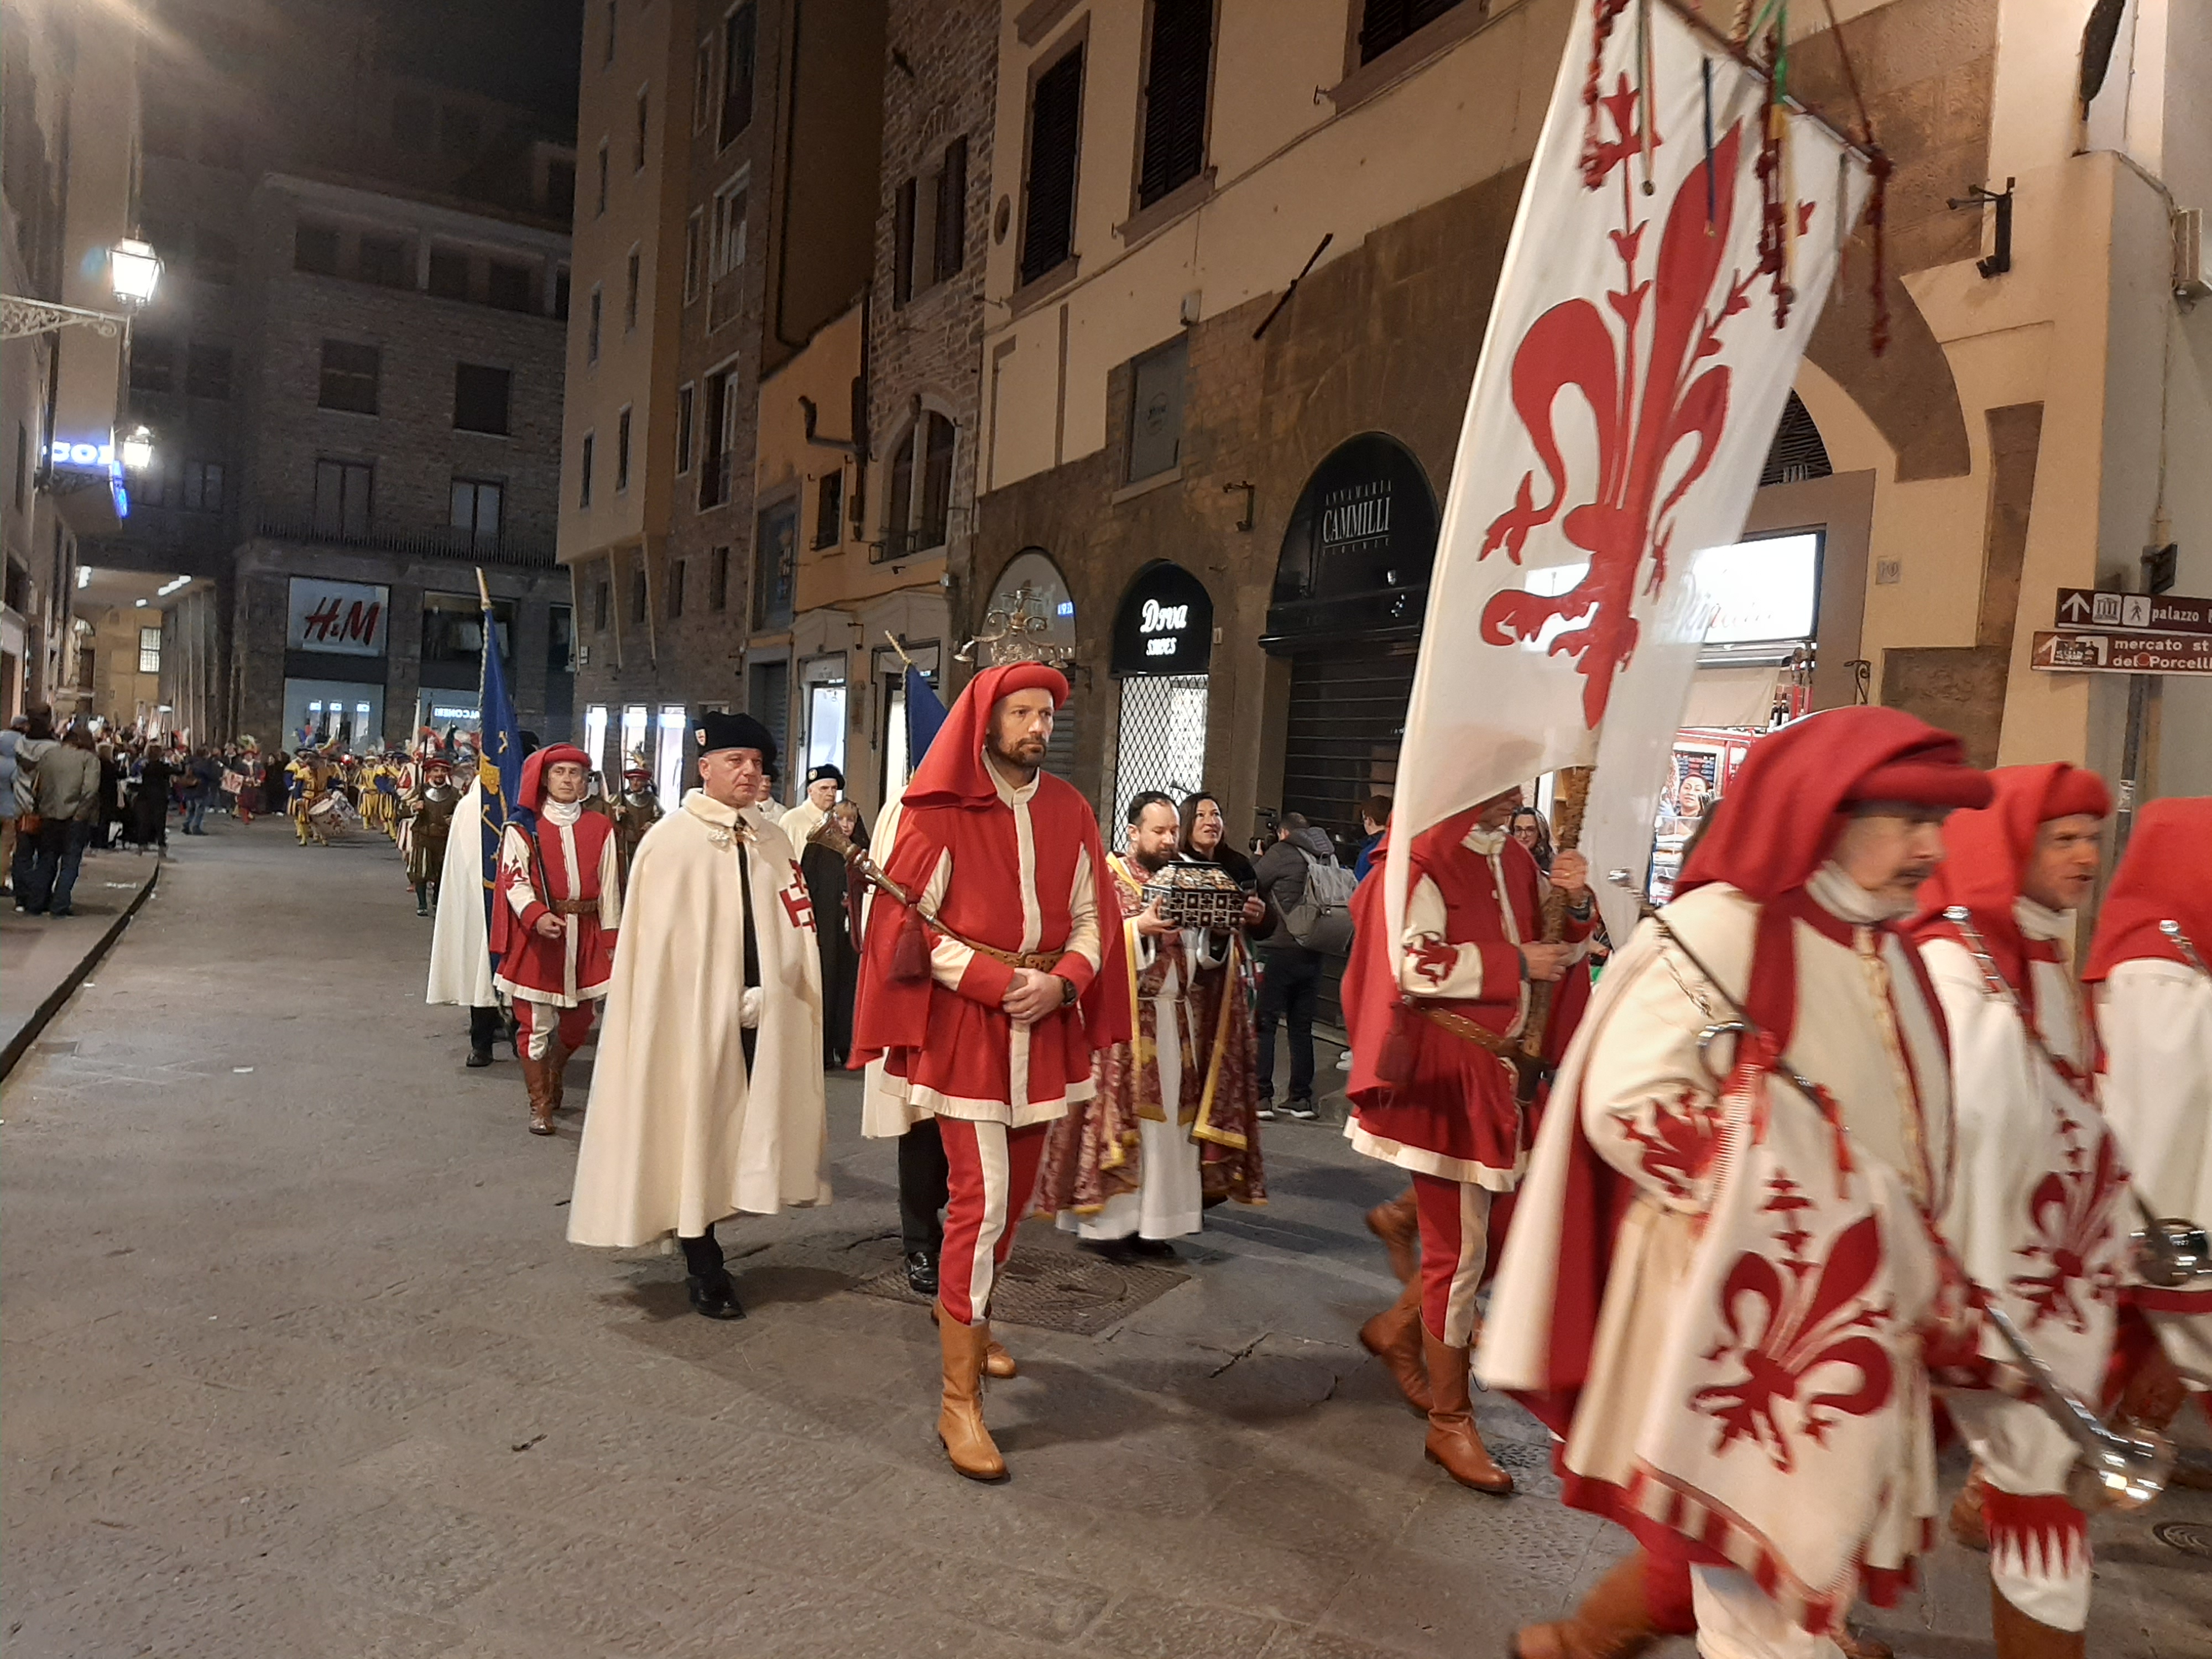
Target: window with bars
[[1161, 744], [1384, 24], [1178, 68], [1048, 192]]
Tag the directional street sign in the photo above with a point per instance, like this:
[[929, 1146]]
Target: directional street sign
[[2158, 613], [2077, 652]]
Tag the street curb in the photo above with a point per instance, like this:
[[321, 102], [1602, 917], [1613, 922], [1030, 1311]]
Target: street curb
[[20, 1044]]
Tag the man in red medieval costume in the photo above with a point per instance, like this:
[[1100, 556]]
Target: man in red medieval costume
[[986, 996], [2036, 1213], [1722, 1290], [553, 929], [1436, 1020], [1135, 1166]]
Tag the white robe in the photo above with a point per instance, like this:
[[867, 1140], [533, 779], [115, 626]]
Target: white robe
[[460, 952], [2155, 1019], [679, 1135]]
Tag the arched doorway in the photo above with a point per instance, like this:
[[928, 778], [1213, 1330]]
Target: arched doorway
[[1351, 584], [1163, 648], [1031, 618]]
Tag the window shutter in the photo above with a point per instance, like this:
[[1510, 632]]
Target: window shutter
[[902, 245], [948, 251], [1174, 97], [1055, 122], [1384, 24]]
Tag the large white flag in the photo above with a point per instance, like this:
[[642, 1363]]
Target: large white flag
[[1631, 376]]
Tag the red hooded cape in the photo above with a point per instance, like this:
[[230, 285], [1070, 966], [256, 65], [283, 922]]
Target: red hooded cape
[[1986, 853], [891, 1010], [2165, 875]]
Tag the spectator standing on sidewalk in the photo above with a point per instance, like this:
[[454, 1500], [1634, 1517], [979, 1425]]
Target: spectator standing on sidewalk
[[198, 779], [1374, 815], [9, 740], [66, 796], [1291, 957], [147, 822], [34, 733]]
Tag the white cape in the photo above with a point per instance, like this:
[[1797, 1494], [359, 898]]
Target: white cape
[[460, 953], [677, 1135]]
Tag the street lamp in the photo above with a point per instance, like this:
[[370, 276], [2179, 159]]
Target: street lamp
[[138, 450], [134, 271]]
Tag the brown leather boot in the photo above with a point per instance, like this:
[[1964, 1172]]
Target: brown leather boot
[[1967, 1526], [556, 1069], [1453, 1444], [2020, 1637], [960, 1428], [996, 1362], [1398, 1224], [536, 1079], [1613, 1622], [1394, 1336]]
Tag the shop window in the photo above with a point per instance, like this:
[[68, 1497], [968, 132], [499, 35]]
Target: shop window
[[452, 628], [1384, 24], [1156, 398], [315, 249], [350, 377], [829, 509], [1179, 64], [207, 370], [449, 273], [513, 288], [1049, 193], [343, 489], [476, 509], [740, 29], [481, 396]]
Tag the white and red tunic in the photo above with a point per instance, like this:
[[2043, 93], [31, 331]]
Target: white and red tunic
[[573, 860], [1016, 874], [1475, 895]]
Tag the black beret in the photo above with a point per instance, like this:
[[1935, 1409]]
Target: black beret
[[713, 730], [824, 771]]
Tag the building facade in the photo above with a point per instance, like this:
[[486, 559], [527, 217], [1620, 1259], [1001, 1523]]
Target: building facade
[[355, 357]]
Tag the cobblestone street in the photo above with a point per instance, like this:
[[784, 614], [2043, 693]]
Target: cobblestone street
[[298, 1362]]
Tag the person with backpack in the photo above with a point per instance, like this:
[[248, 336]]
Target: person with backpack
[[1300, 878]]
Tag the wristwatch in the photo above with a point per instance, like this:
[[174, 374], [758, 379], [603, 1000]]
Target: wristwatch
[[1066, 990]]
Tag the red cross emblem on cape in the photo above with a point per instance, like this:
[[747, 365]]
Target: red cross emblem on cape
[[798, 903]]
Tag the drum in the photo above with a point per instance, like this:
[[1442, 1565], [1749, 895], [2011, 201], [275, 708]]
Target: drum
[[329, 816]]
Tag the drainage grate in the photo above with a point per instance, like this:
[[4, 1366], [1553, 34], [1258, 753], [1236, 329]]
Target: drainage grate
[[1052, 1290], [2190, 1537]]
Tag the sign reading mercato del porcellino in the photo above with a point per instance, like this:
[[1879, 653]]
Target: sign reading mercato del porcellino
[[1165, 624]]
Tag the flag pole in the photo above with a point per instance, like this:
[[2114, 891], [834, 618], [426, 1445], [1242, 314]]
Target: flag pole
[[1567, 808], [482, 591]]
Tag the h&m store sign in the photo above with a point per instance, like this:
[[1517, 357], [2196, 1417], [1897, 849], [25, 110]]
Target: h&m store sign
[[1165, 624]]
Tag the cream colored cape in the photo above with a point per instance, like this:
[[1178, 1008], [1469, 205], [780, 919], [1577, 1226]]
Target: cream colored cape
[[460, 954], [677, 1135]]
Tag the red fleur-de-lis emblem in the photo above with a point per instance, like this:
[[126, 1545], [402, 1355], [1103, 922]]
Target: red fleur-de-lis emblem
[[1795, 1325], [2070, 1211], [1683, 1141], [1658, 416]]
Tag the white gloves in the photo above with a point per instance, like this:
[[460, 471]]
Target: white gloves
[[749, 1010]]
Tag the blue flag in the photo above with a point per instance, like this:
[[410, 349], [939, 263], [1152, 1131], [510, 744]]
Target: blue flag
[[925, 714], [499, 763]]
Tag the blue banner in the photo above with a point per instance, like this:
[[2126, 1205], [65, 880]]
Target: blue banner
[[499, 762], [924, 713]]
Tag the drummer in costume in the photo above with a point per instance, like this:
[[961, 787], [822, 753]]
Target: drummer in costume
[[553, 926], [707, 1096], [987, 995], [1436, 1024], [2037, 1212], [2150, 980], [1722, 1291]]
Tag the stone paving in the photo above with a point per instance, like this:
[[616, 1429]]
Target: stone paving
[[296, 1362]]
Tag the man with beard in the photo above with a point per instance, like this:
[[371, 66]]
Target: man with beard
[[426, 820], [2036, 1213], [1722, 1289], [1123, 1169], [986, 989], [707, 1096], [1436, 1025], [553, 926]]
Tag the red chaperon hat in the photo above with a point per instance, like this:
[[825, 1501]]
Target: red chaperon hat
[[953, 772], [1782, 813], [532, 796], [2165, 875]]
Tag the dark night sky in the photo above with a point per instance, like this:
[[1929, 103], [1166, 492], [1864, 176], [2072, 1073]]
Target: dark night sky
[[522, 51]]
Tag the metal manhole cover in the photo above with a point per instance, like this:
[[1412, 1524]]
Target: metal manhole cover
[[1052, 1291], [2190, 1537]]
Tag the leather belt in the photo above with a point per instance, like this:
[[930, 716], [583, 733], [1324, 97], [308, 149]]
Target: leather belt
[[1481, 1035], [586, 907], [1036, 960]]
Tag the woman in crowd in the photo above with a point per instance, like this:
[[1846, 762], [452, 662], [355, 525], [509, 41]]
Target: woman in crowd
[[146, 822], [1531, 829], [835, 937]]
